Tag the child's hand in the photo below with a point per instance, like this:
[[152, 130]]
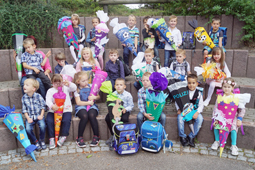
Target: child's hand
[[179, 112], [238, 123], [152, 36], [90, 102], [37, 71], [47, 74], [29, 120], [195, 115], [93, 67], [93, 39], [215, 123], [204, 43], [148, 116], [92, 97], [48, 54], [79, 41], [124, 111], [40, 117], [54, 107], [124, 45], [66, 83]]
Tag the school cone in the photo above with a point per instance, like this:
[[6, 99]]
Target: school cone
[[59, 98]]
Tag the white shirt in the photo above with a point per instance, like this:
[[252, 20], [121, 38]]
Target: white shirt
[[176, 36]]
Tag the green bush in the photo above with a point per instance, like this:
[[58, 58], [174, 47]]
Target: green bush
[[37, 19]]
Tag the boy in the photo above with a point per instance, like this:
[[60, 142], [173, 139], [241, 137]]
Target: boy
[[33, 107], [196, 98], [149, 36], [151, 65], [216, 35], [128, 104], [114, 67], [134, 34], [177, 38], [142, 103], [32, 62], [61, 59]]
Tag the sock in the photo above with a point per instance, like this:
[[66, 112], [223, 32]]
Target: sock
[[73, 53], [210, 91], [216, 135], [233, 137]]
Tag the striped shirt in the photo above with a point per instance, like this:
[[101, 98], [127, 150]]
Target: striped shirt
[[134, 32], [33, 60]]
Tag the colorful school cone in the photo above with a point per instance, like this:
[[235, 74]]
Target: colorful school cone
[[15, 124], [68, 72], [122, 33], [101, 32], [99, 78], [17, 39], [59, 98]]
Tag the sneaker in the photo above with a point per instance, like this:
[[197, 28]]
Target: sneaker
[[61, 140], [80, 142], [215, 145], [95, 141], [37, 144], [43, 145], [234, 149], [109, 141], [52, 143]]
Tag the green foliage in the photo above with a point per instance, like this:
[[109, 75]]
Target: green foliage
[[35, 19]]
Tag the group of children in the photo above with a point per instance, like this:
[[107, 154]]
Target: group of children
[[34, 106]]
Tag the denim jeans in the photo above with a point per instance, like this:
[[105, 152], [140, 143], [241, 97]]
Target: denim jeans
[[65, 124], [126, 54], [197, 125], [141, 117], [137, 85], [41, 86], [169, 54], [30, 129], [155, 50]]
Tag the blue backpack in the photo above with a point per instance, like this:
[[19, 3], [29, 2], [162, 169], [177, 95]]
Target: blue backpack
[[224, 29], [188, 40], [154, 136], [126, 139]]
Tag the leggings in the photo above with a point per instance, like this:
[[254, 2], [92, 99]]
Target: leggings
[[233, 136], [85, 116]]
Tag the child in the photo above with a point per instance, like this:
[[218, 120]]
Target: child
[[91, 40], [128, 104], [180, 65], [33, 107], [32, 61], [177, 38], [83, 99], [79, 32], [134, 34], [67, 87], [228, 85], [114, 67], [149, 34], [151, 65], [217, 57], [142, 103], [196, 98], [216, 35], [87, 56], [61, 59]]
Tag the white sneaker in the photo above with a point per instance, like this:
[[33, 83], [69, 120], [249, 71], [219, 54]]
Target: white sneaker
[[234, 149], [52, 143], [215, 145], [61, 140]]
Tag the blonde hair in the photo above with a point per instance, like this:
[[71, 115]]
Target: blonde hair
[[34, 83], [56, 78], [76, 16], [60, 56], [132, 16], [28, 41], [230, 81], [216, 19], [91, 60], [78, 76], [172, 17], [120, 79], [181, 51], [149, 50], [146, 74], [222, 60], [113, 51]]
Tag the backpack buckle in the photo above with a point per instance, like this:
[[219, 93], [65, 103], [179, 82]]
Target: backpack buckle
[[128, 137]]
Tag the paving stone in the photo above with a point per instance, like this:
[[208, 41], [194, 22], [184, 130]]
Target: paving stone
[[241, 158], [53, 152], [45, 150], [175, 145], [25, 158], [204, 152], [232, 156], [72, 151], [203, 144], [63, 148], [71, 146], [102, 144], [10, 152], [249, 155], [62, 152], [15, 155], [251, 160], [23, 153], [95, 148], [224, 155], [203, 147], [67, 143], [6, 161], [44, 154], [79, 150], [6, 157], [105, 148], [186, 149], [215, 153], [247, 151], [240, 153], [193, 150], [16, 159], [176, 149], [87, 149]]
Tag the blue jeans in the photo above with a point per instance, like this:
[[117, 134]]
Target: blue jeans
[[137, 85], [155, 50], [126, 54], [65, 124], [169, 54], [30, 129], [41, 86], [140, 119], [197, 125]]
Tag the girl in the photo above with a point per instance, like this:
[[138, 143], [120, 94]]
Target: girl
[[83, 99], [227, 95], [67, 87], [87, 56], [217, 57], [79, 32], [91, 40]]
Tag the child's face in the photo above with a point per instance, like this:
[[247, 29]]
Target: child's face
[[227, 88], [145, 24], [61, 62], [86, 55], [180, 58], [215, 25], [173, 23], [83, 82], [192, 84], [148, 57], [113, 57], [75, 21], [28, 87], [146, 82], [217, 56], [95, 22], [57, 84], [120, 86], [131, 22], [30, 48]]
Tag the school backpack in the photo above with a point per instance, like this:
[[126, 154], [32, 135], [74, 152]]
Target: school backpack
[[185, 64], [126, 139], [153, 137], [125, 66], [188, 40], [224, 30]]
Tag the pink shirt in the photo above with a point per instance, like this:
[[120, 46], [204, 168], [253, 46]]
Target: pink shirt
[[78, 66]]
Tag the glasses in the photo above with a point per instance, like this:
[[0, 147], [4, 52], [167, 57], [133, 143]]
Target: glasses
[[57, 84]]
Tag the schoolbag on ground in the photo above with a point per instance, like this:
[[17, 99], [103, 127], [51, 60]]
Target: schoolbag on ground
[[224, 29], [125, 66], [153, 137], [126, 139], [188, 40]]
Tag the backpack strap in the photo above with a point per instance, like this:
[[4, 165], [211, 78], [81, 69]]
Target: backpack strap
[[174, 66]]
